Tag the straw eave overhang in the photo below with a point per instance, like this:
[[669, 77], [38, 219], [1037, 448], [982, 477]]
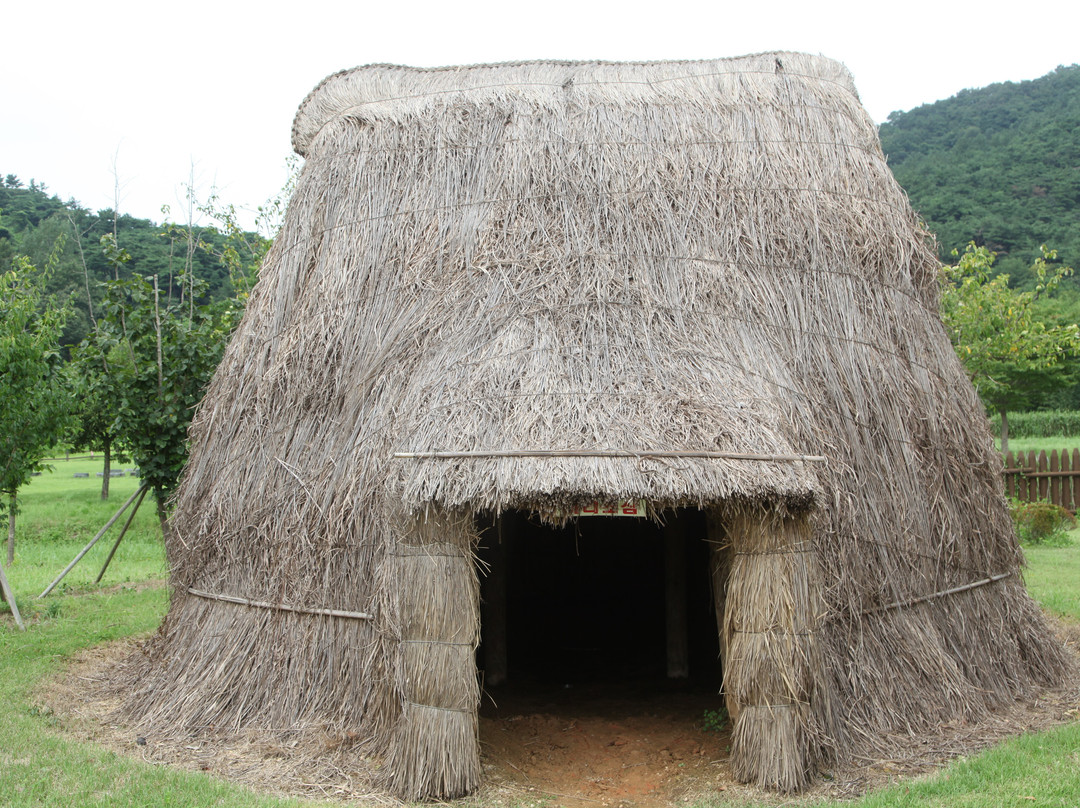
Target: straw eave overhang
[[540, 481]]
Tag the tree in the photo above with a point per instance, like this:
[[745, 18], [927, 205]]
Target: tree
[[35, 404], [162, 354], [96, 388], [1008, 354]]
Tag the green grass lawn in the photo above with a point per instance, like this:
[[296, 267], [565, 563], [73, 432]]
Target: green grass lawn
[[61, 513], [40, 766], [1040, 444], [1053, 577]]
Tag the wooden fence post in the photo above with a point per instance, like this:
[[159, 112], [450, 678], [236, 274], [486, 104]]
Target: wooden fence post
[[1053, 484], [1037, 477], [1075, 480]]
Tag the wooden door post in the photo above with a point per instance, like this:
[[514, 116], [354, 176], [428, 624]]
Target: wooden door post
[[678, 659], [494, 604], [719, 569]]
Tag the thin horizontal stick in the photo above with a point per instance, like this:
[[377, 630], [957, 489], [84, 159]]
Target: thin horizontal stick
[[900, 604], [1034, 473], [779, 458], [259, 604]]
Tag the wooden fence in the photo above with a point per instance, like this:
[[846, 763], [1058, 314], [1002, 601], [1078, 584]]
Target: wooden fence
[[1036, 476]]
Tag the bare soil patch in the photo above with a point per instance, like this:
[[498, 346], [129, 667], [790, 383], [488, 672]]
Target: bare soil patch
[[626, 745], [641, 745]]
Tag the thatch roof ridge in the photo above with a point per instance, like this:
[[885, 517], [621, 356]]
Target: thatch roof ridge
[[372, 86]]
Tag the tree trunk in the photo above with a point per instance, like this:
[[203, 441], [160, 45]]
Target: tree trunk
[[11, 529], [107, 470], [1004, 432]]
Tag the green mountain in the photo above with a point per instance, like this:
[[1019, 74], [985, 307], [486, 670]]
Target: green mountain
[[999, 166], [31, 220]]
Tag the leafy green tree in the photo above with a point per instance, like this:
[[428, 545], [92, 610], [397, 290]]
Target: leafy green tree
[[163, 355], [96, 388], [31, 217], [1008, 353], [35, 404]]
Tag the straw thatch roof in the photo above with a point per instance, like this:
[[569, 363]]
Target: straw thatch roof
[[709, 259]]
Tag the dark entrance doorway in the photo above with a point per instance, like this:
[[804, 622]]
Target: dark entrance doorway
[[600, 600]]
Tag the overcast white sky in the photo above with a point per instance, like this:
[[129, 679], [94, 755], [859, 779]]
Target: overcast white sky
[[162, 91]]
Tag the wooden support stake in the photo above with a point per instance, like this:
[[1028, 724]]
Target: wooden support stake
[[91, 543], [9, 596], [119, 538], [494, 605], [720, 569], [678, 658]]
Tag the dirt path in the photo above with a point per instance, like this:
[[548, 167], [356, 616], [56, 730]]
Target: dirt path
[[605, 745]]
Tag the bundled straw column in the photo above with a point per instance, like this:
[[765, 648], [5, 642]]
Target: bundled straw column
[[433, 749], [773, 664]]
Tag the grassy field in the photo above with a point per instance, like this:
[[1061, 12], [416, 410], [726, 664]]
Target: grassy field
[[40, 766], [1053, 577], [1040, 444], [61, 513]]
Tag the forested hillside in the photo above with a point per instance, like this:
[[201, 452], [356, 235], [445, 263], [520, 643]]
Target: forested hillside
[[31, 220], [998, 165]]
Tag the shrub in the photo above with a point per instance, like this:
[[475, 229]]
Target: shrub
[[714, 720], [1042, 424], [1042, 523]]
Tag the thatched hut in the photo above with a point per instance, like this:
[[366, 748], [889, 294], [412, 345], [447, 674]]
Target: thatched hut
[[505, 292]]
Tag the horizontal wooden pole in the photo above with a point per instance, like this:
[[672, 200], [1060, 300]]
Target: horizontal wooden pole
[[281, 607], [902, 604], [690, 453], [1034, 473]]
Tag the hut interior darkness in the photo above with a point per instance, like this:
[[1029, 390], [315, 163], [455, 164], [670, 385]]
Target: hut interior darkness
[[505, 292], [604, 599]]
